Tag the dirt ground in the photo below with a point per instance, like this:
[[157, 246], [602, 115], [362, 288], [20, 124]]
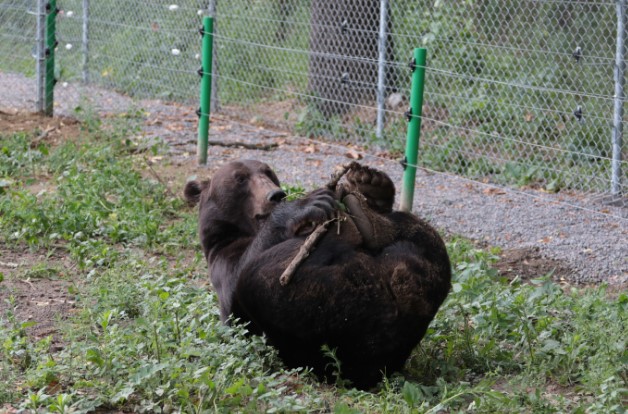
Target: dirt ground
[[529, 263], [38, 285], [53, 130]]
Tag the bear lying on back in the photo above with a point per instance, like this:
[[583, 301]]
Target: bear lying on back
[[369, 289]]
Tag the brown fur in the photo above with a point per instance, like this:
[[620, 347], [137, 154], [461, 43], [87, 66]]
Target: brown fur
[[369, 290]]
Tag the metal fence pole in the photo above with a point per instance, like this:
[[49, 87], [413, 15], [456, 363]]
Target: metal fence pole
[[381, 67], [414, 114], [215, 104], [206, 81], [85, 41], [618, 113], [51, 44], [41, 51]]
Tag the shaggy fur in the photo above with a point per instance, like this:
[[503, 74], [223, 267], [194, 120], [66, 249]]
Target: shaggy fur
[[369, 289]]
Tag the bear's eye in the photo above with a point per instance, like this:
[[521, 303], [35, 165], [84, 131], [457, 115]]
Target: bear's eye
[[270, 174], [240, 178]]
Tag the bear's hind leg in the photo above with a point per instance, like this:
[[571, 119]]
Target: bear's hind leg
[[375, 185]]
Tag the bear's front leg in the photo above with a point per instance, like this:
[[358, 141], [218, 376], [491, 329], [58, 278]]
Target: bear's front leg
[[307, 213], [293, 218]]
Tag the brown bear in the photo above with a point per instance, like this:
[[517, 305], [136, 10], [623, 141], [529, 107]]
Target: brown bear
[[368, 289]]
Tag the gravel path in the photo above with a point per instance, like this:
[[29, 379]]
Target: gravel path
[[590, 242]]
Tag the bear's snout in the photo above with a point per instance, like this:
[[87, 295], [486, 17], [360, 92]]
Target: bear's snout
[[264, 194], [275, 196]]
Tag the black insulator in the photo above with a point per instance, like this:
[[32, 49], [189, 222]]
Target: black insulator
[[412, 64], [200, 71], [344, 79], [408, 114], [577, 54], [578, 113], [404, 162], [201, 31], [198, 112], [344, 26]]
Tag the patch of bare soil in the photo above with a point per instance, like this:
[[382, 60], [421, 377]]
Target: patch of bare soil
[[528, 263], [36, 288], [53, 131], [36, 285]]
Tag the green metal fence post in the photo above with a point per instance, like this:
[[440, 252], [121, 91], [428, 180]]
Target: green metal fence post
[[206, 86], [414, 129], [51, 44]]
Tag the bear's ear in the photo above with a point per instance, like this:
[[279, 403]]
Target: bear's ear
[[193, 189]]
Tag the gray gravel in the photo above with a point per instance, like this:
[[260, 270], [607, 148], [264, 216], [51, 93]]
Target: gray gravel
[[585, 236]]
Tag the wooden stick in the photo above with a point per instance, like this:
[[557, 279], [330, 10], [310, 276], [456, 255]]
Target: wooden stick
[[9, 264], [304, 252], [262, 147], [43, 135], [312, 239], [28, 282], [236, 144], [154, 173]]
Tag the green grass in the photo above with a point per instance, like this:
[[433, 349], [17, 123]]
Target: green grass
[[147, 337]]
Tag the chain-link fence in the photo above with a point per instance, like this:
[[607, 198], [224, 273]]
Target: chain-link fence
[[524, 93], [18, 34]]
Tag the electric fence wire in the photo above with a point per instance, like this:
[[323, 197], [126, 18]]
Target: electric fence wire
[[442, 123], [491, 186], [172, 65]]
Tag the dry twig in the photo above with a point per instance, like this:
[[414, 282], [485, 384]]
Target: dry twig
[[304, 252], [28, 282], [42, 136], [158, 178], [261, 147], [311, 240], [9, 264]]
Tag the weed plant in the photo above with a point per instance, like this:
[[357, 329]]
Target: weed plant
[[147, 335]]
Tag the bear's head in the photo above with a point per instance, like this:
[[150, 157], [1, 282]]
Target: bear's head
[[240, 194]]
